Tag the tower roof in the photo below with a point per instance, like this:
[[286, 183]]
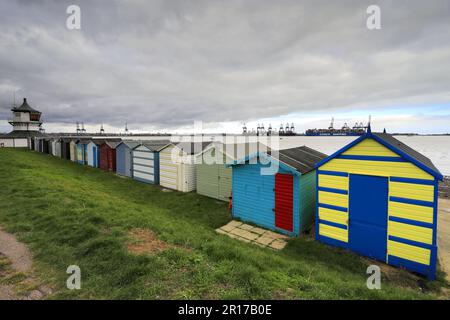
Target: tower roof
[[25, 107]]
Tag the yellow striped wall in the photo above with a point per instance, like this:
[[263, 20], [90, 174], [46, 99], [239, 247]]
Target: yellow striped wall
[[341, 200], [409, 252], [369, 147], [334, 182], [412, 191], [414, 212], [334, 199], [377, 168], [333, 232], [410, 211]]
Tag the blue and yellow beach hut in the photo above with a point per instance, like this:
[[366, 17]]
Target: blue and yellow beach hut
[[378, 197]]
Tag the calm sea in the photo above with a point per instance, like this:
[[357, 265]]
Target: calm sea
[[437, 148]]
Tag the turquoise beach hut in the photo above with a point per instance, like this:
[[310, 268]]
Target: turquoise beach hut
[[276, 189]]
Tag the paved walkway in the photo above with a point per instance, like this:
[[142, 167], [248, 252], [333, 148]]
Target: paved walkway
[[444, 235], [247, 233]]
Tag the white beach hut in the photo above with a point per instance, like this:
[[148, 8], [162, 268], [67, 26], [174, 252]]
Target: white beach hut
[[177, 165]]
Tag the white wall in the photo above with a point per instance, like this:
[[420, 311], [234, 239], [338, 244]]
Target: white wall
[[21, 116], [14, 142]]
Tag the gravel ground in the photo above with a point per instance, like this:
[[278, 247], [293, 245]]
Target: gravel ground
[[16, 251], [21, 262]]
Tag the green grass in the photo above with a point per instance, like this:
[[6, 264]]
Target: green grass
[[70, 214]]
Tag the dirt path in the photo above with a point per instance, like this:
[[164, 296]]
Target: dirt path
[[444, 235], [16, 251], [16, 275]]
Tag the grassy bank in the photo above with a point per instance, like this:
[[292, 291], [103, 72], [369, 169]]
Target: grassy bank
[[70, 214]]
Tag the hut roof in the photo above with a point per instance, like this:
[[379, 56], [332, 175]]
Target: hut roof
[[303, 159], [112, 144], [23, 134], [238, 150], [191, 148], [101, 141], [129, 143], [396, 146], [403, 148], [84, 141], [155, 145]]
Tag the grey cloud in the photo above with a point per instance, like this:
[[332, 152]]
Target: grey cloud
[[168, 63]]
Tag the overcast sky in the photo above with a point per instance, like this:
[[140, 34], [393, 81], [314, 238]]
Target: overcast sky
[[161, 65]]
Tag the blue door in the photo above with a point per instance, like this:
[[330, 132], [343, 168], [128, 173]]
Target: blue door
[[368, 215]]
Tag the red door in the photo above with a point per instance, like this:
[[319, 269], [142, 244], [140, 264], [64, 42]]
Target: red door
[[104, 157], [284, 185], [110, 160]]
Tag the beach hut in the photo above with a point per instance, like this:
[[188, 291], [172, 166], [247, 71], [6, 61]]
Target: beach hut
[[65, 148], [145, 161], [93, 152], [73, 150], [35, 144], [177, 165], [107, 159], [45, 145], [32, 141], [378, 198], [124, 157], [56, 147], [50, 145], [276, 189], [40, 145], [82, 154], [213, 178]]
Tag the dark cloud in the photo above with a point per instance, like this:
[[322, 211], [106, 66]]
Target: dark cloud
[[165, 64]]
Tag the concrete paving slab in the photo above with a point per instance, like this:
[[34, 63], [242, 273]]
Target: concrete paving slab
[[277, 244], [258, 230], [227, 227], [264, 240], [244, 234], [234, 223], [273, 235], [246, 227], [221, 231], [250, 234]]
